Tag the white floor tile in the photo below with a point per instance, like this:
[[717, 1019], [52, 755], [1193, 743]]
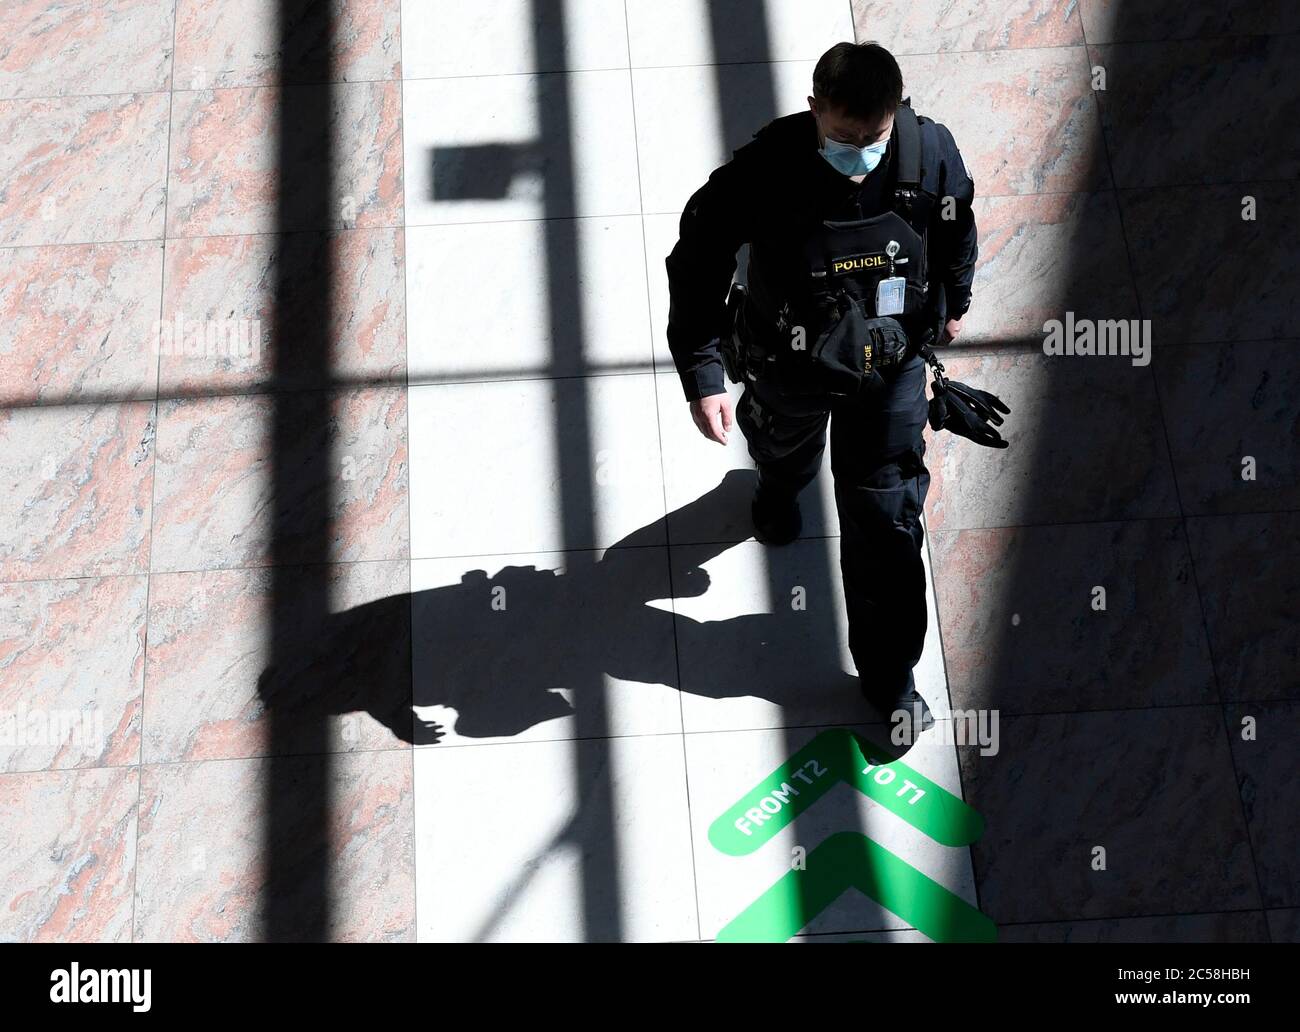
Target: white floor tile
[[488, 475], [763, 639], [695, 466], [482, 299], [504, 647], [931, 677], [496, 37], [723, 767], [680, 136], [661, 232], [766, 644], [678, 32], [507, 147], [499, 855]]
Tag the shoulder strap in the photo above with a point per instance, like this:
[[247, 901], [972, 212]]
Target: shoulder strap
[[909, 148], [908, 200]]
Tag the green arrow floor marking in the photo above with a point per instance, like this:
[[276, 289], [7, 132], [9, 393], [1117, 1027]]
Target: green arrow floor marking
[[851, 860], [839, 755]]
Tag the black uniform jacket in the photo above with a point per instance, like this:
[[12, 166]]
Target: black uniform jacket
[[772, 194]]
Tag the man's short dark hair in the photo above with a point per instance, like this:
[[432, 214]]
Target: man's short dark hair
[[861, 79]]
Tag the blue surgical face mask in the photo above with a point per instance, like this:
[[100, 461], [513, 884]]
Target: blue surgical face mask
[[853, 161]]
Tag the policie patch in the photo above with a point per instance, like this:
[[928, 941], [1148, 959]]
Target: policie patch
[[858, 262]]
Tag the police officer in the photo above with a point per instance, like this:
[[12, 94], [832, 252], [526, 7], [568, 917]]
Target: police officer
[[858, 218]]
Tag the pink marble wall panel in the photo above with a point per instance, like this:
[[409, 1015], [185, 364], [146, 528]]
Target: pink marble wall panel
[[1025, 120], [82, 169], [209, 649], [71, 672], [78, 321], [67, 869], [217, 280], [237, 43], [85, 46], [203, 850], [928, 26], [214, 493], [1066, 460], [226, 169], [78, 481], [1043, 255]]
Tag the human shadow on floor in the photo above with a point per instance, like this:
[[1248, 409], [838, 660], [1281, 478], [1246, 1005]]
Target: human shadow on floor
[[501, 650]]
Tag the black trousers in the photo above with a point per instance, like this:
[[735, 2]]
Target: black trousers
[[877, 452]]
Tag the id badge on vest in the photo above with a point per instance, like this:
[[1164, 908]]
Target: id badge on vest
[[891, 295]]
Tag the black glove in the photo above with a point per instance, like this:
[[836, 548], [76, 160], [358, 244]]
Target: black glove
[[966, 411], [986, 405]]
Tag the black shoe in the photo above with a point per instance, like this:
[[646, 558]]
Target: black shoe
[[777, 520], [889, 701]]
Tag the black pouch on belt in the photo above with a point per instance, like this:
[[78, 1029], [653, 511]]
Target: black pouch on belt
[[854, 346]]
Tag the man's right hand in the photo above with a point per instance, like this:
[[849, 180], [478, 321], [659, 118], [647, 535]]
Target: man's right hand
[[712, 416]]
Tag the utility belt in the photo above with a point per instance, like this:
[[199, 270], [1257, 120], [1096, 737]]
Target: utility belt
[[839, 362], [860, 312]]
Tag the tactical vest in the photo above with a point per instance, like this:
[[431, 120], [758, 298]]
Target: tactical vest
[[827, 334]]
